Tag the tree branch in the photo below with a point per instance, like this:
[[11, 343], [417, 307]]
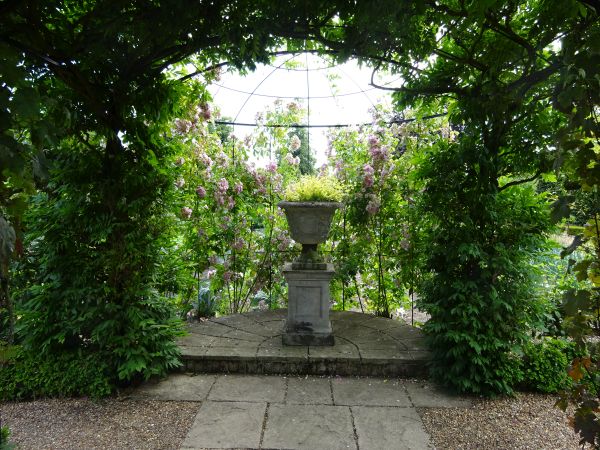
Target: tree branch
[[469, 61], [418, 91], [517, 182], [29, 51], [524, 83], [509, 33]]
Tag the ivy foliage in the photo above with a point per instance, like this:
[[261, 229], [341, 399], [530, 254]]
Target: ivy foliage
[[481, 246]]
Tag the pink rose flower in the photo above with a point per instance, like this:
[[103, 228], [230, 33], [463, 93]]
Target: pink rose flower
[[182, 126], [373, 206], [272, 166], [379, 153], [205, 159], [373, 141], [186, 212], [222, 185], [205, 111]]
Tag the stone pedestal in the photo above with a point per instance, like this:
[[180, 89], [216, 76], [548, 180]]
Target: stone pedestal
[[308, 306]]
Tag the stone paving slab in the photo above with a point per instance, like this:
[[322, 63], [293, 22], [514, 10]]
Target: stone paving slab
[[231, 353], [276, 342], [309, 427], [251, 343], [268, 315], [295, 354], [248, 388], [178, 387], [255, 335], [226, 425], [379, 355], [308, 412], [380, 324], [404, 333], [426, 395], [193, 352], [208, 328], [369, 391], [194, 341], [309, 391], [226, 341], [336, 352], [389, 428]]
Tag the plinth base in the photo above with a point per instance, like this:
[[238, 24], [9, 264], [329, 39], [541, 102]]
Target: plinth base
[[308, 307], [302, 334]]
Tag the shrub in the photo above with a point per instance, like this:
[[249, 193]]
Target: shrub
[[25, 375], [545, 363], [4, 439], [314, 189], [94, 249], [480, 290]]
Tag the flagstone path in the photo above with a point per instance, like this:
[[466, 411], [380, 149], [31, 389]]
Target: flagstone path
[[306, 412]]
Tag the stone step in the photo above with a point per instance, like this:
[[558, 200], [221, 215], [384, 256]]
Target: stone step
[[251, 343]]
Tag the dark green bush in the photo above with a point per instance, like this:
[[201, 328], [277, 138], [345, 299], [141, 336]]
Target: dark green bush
[[480, 292], [26, 375], [94, 248], [545, 363]]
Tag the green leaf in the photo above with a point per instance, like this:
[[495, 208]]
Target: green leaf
[[25, 103], [576, 301]]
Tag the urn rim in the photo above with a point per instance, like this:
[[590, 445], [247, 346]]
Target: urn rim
[[310, 204]]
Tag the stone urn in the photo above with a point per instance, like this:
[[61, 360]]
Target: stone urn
[[309, 224], [308, 277]]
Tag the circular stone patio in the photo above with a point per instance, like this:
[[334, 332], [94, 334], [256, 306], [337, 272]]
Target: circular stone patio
[[251, 343]]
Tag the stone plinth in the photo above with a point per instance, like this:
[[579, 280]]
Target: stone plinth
[[308, 307], [365, 345]]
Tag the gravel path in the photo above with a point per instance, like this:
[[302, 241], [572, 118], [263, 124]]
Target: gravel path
[[107, 424], [528, 421]]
